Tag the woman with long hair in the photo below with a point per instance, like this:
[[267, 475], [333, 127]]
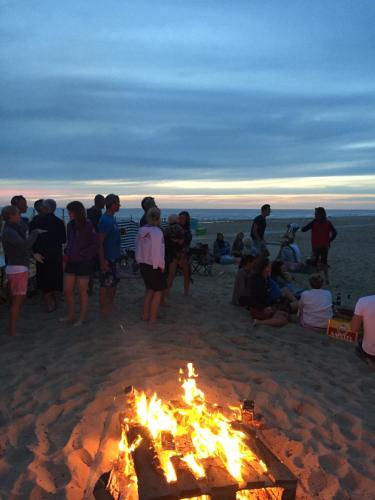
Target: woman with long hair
[[322, 235], [237, 246], [260, 296], [80, 251]]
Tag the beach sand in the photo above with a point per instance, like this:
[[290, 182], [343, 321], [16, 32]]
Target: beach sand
[[62, 387]]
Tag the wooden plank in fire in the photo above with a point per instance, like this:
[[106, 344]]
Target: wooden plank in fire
[[186, 483], [277, 471], [184, 444], [220, 484], [152, 484], [253, 479]]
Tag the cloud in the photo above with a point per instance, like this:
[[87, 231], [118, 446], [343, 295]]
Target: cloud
[[186, 90]]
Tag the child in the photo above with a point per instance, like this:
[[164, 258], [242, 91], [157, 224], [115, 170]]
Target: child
[[315, 305]]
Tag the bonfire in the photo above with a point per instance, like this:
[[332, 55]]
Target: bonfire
[[193, 449]]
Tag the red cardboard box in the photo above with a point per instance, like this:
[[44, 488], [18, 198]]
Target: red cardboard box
[[341, 329]]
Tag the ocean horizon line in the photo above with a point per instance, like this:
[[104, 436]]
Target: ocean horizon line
[[231, 214]]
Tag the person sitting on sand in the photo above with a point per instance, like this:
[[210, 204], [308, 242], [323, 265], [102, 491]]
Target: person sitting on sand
[[221, 247], [284, 280], [17, 250], [241, 293], [290, 254], [237, 246], [150, 255], [259, 299], [364, 314], [248, 248], [315, 305], [281, 297], [80, 252], [322, 235]]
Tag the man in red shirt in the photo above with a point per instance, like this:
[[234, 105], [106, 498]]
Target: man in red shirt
[[322, 234]]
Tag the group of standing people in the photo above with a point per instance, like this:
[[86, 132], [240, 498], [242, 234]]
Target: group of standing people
[[66, 257], [159, 252]]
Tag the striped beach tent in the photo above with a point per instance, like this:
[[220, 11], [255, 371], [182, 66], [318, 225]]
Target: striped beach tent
[[128, 230]]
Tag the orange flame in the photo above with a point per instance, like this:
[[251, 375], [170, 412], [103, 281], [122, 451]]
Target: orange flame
[[198, 431]]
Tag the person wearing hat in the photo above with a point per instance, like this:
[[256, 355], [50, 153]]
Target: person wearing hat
[[109, 253]]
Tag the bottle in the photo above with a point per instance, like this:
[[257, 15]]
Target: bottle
[[248, 408]]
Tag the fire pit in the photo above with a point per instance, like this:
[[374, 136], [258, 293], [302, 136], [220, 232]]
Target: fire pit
[[191, 449]]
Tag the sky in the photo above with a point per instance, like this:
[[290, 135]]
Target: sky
[[200, 103]]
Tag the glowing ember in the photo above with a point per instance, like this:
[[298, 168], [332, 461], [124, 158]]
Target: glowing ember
[[192, 431]]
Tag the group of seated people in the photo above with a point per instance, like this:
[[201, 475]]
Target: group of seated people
[[267, 290], [224, 253]]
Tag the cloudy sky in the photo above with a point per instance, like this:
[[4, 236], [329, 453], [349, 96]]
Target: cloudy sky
[[202, 103]]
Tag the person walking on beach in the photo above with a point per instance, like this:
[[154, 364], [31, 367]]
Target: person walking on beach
[[48, 252], [20, 202], [150, 255], [258, 229], [322, 235], [17, 250], [109, 254], [95, 212], [364, 314], [147, 203], [80, 251]]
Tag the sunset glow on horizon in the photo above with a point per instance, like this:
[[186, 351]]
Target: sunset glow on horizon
[[200, 104]]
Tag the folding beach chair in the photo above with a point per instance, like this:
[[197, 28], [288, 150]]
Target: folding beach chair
[[200, 260]]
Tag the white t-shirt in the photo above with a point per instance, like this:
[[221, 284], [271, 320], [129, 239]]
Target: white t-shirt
[[315, 308], [365, 308]]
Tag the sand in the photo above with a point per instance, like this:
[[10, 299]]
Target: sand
[[62, 387]]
